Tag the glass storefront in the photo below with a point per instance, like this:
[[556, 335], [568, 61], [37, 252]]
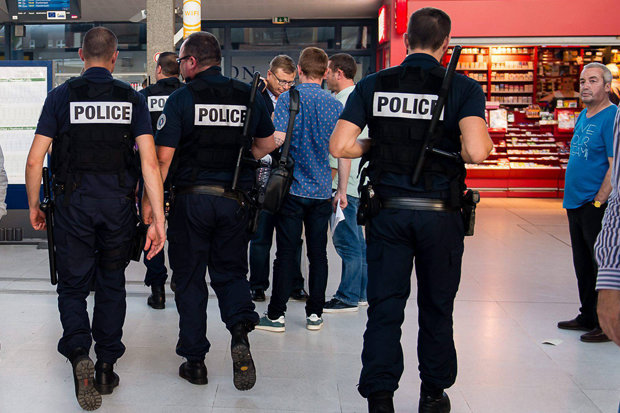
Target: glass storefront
[[246, 46]]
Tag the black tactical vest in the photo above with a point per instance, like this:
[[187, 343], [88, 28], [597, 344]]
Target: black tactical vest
[[217, 135], [99, 140], [156, 96], [403, 104]]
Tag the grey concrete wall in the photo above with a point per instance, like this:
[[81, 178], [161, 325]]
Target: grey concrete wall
[[159, 31]]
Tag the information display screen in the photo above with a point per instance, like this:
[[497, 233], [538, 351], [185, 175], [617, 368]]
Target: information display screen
[[43, 10], [44, 5]]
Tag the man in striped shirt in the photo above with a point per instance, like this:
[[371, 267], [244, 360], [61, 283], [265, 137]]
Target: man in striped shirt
[[608, 253]]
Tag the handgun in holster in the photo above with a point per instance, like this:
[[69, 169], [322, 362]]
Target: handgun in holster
[[470, 200], [138, 241], [370, 204]]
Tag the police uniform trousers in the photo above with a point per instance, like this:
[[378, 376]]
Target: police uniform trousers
[[93, 237], [156, 272], [207, 231], [396, 237]]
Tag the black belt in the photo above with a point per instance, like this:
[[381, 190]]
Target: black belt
[[419, 204], [214, 190]]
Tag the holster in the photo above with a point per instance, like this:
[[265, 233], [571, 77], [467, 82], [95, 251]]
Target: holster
[[470, 200], [138, 241], [370, 205]]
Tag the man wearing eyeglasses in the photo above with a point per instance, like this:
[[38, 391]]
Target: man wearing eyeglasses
[[280, 78], [202, 129]]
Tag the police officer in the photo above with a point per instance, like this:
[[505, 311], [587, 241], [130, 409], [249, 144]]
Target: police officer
[[94, 123], [167, 75], [202, 129], [421, 221]]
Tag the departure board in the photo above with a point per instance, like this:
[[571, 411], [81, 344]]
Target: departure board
[[43, 5]]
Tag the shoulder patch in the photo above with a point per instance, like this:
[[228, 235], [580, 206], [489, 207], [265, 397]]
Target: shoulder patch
[[161, 122]]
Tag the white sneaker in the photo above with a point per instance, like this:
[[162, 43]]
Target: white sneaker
[[314, 322], [362, 303]]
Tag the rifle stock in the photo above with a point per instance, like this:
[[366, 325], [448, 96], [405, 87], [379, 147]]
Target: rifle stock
[[47, 206]]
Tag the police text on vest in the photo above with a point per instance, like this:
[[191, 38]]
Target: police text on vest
[[404, 105], [100, 112], [219, 115], [156, 103]]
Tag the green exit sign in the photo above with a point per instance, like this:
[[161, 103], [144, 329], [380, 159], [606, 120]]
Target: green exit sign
[[281, 20]]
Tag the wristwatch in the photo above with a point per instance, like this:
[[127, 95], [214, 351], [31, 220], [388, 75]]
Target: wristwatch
[[597, 204]]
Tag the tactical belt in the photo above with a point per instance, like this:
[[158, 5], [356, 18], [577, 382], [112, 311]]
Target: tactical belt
[[214, 190], [417, 204]]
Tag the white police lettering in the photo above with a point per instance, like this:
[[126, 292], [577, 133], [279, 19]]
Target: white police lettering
[[156, 103], [404, 105], [219, 115], [100, 112]]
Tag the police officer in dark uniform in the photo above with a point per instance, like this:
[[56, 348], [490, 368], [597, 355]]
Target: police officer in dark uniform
[[200, 134], [94, 123], [167, 75], [420, 221]]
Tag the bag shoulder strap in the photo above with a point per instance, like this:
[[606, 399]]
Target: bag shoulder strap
[[293, 109]]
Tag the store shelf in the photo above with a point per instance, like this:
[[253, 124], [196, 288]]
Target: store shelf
[[511, 93], [512, 81], [511, 70]]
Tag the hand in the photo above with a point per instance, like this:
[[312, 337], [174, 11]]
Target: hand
[[279, 140], [608, 309], [37, 218], [155, 239], [342, 196], [147, 211]]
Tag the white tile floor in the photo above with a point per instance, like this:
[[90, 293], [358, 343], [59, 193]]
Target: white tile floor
[[517, 282]]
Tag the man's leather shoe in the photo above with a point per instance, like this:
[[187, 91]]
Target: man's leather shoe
[[105, 378], [428, 404], [194, 371], [381, 402], [173, 286], [299, 295], [595, 336], [573, 324], [83, 370], [258, 294], [157, 299], [244, 371]]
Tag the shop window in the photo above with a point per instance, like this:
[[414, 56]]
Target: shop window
[[268, 38], [243, 67], [130, 35], [2, 43], [355, 38]]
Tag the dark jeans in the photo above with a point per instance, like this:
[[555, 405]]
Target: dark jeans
[[208, 231], [92, 240], [260, 248], [584, 224], [395, 238], [299, 213]]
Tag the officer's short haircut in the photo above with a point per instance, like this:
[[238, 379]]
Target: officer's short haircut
[[313, 62], [204, 47], [607, 75], [99, 43], [168, 63], [283, 62], [428, 28], [344, 62]]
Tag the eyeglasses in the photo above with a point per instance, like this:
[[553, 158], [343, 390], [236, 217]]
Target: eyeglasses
[[180, 59], [283, 83]]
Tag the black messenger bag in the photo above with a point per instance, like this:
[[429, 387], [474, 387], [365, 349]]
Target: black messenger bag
[[281, 176]]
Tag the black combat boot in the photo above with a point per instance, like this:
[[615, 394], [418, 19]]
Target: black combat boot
[[83, 371], [244, 372], [381, 402], [105, 378], [194, 371], [430, 404], [157, 299]]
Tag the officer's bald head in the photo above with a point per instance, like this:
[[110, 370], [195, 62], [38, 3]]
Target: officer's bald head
[[99, 43]]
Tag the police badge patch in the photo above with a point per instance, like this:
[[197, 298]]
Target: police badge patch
[[161, 122]]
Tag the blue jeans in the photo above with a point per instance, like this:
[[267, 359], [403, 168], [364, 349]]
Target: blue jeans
[[299, 213], [351, 246]]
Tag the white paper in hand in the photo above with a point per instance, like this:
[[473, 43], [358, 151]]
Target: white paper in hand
[[336, 217]]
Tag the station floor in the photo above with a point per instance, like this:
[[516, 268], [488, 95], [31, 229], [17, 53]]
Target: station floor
[[517, 282]]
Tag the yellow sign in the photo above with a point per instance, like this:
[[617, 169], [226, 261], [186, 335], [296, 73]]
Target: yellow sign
[[191, 17]]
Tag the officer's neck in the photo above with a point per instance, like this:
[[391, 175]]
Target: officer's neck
[[109, 66], [437, 54]]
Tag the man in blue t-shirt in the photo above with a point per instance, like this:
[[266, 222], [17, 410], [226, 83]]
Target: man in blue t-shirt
[[588, 185], [308, 203]]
